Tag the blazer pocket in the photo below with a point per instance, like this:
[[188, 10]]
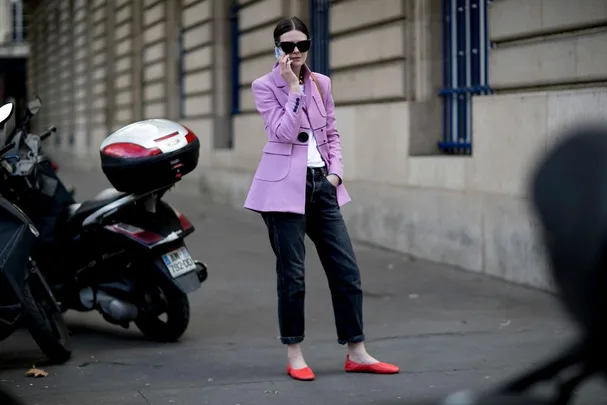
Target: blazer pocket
[[275, 161]]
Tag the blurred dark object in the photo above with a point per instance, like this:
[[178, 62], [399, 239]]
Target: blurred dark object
[[8, 399], [569, 192], [569, 195]]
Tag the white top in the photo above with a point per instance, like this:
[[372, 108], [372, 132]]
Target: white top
[[314, 157]]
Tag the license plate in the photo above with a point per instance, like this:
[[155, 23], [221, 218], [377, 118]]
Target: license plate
[[179, 262]]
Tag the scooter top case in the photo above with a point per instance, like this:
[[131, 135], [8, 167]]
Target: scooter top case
[[148, 155]]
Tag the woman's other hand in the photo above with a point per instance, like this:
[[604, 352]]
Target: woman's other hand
[[287, 73], [333, 179]]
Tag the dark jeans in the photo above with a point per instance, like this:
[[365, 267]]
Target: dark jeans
[[325, 226]]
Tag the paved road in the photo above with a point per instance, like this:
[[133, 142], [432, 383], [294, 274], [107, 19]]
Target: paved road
[[448, 330]]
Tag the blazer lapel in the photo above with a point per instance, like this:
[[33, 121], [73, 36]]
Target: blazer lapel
[[308, 89]]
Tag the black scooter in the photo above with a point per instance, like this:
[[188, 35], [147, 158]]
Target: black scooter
[[25, 298], [121, 254]]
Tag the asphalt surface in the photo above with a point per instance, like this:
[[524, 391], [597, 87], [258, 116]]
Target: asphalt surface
[[448, 329]]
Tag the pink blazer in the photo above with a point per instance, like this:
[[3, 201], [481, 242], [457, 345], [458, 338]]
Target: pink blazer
[[279, 184]]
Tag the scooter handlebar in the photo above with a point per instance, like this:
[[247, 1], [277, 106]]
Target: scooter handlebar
[[6, 148], [47, 133]]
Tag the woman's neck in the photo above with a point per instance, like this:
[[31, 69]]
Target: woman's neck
[[297, 71]]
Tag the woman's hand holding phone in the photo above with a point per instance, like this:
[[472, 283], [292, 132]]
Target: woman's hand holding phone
[[287, 73]]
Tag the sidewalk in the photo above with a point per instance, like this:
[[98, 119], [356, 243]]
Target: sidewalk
[[448, 330]]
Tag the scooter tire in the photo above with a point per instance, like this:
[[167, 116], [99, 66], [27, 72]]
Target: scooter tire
[[46, 325], [178, 319]]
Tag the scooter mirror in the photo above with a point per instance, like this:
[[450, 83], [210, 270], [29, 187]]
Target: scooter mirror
[[6, 112], [33, 106], [569, 192]]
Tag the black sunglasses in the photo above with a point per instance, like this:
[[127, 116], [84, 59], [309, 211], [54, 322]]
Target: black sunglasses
[[289, 47]]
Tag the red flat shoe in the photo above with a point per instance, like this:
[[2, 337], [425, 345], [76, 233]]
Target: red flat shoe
[[301, 374], [376, 368]]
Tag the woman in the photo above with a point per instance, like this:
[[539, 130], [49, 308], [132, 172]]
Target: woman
[[298, 190]]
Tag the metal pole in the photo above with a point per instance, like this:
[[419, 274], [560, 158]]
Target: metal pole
[[483, 41], [468, 95], [454, 70]]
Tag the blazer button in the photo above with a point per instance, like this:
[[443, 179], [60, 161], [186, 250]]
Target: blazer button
[[303, 137]]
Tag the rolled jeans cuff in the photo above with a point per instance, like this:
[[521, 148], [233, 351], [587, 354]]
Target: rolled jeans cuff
[[291, 340], [355, 339]]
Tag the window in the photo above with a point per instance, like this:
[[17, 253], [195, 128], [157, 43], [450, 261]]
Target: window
[[465, 65]]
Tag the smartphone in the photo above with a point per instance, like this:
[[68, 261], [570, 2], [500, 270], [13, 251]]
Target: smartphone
[[278, 52]]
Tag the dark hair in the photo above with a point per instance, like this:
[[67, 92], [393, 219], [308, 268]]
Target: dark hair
[[290, 24]]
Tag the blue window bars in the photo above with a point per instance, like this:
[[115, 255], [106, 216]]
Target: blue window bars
[[465, 66], [235, 59], [319, 25]]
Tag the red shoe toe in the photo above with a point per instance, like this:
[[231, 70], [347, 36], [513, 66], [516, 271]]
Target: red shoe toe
[[376, 368], [301, 374]]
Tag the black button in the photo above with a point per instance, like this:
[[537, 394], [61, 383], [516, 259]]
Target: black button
[[297, 99], [303, 137]]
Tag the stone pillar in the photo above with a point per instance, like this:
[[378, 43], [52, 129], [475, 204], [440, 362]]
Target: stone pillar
[[424, 76], [110, 89], [5, 20], [222, 137], [137, 67], [173, 16], [426, 33], [88, 81]]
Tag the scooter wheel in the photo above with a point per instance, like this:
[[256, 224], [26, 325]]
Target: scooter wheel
[[176, 307], [45, 322]]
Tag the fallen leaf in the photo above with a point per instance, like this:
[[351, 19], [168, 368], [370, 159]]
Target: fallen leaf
[[35, 372]]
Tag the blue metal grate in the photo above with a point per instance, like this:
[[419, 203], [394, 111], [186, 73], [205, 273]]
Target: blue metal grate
[[235, 58], [465, 70], [319, 25]]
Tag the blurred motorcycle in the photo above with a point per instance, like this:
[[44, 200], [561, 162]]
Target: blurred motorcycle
[[122, 253], [25, 298]]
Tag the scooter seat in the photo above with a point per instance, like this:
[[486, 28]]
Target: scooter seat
[[79, 212]]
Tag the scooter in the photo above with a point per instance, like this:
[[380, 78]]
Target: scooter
[[25, 297], [120, 253]]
